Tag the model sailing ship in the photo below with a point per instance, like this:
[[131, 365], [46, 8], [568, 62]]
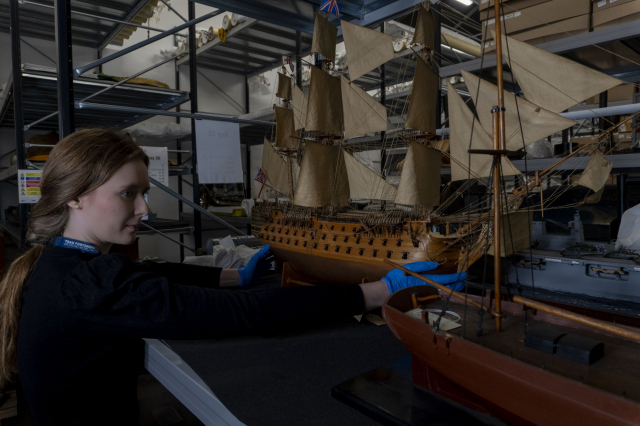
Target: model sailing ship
[[317, 232], [475, 363]]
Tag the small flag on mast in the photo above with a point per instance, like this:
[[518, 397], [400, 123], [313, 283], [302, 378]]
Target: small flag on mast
[[331, 6], [261, 177]]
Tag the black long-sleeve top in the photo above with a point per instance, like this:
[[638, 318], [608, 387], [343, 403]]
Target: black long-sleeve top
[[83, 317]]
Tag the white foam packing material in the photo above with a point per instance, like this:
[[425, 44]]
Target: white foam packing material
[[629, 232], [230, 258]]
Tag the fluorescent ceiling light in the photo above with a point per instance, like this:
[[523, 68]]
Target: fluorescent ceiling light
[[466, 2]]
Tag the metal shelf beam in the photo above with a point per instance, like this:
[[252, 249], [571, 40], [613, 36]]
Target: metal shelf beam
[[213, 43], [615, 33]]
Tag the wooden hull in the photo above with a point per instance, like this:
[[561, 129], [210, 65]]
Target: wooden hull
[[341, 253], [484, 379]]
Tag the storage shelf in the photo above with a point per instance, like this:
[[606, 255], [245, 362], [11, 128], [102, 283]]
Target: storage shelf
[[39, 22], [40, 98]]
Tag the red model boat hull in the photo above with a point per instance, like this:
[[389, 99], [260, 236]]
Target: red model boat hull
[[512, 390]]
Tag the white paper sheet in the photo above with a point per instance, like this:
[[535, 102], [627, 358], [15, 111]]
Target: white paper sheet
[[219, 157], [158, 163]]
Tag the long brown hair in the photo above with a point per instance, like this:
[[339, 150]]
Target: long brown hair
[[77, 165]]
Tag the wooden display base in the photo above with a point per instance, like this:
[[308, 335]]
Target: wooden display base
[[291, 278]]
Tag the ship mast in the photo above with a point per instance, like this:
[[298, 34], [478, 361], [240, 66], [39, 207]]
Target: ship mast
[[498, 147]]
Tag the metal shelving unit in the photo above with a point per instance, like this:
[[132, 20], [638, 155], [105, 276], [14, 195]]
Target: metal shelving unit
[[94, 28], [40, 99], [271, 30]]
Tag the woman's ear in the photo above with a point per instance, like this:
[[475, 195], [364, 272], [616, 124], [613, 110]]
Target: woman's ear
[[74, 204]]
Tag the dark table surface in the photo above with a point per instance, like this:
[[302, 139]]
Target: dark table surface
[[387, 393], [287, 380]]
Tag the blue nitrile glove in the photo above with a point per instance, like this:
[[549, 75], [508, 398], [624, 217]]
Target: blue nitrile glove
[[257, 266], [396, 280]]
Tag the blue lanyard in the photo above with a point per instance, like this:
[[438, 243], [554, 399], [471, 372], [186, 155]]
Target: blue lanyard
[[74, 244]]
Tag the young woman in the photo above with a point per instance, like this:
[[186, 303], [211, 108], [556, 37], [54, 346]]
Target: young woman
[[72, 316]]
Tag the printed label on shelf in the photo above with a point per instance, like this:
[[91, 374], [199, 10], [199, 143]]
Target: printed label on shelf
[[158, 163], [602, 3], [548, 259], [29, 186]]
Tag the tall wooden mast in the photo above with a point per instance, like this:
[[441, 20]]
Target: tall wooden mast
[[498, 146]]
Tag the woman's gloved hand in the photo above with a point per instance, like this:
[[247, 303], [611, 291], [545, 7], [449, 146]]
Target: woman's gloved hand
[[257, 266], [396, 280]]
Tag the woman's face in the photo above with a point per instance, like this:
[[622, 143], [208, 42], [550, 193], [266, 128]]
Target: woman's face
[[111, 213]]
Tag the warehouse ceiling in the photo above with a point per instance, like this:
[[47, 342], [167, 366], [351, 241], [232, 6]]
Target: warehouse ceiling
[[39, 22]]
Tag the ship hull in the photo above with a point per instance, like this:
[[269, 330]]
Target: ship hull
[[488, 381], [336, 252]]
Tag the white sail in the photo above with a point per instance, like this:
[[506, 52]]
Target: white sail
[[366, 49], [324, 38], [537, 122], [596, 173], [424, 97], [284, 87], [323, 179], [551, 81], [299, 103], [275, 168], [366, 184], [420, 178], [425, 28], [286, 134], [465, 129], [362, 113], [324, 110]]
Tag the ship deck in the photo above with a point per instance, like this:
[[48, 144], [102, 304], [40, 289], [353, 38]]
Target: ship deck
[[617, 372]]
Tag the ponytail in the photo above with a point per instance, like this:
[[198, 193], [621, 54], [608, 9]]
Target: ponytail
[[11, 288]]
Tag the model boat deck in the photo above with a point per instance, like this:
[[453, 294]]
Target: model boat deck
[[616, 372]]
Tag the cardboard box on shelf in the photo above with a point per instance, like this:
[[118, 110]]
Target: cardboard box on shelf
[[623, 92], [581, 140], [509, 7], [547, 33], [615, 14], [600, 5], [542, 14], [624, 20], [627, 126]]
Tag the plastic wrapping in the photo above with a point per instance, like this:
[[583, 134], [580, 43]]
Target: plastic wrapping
[[160, 130], [247, 204], [539, 149], [232, 258], [629, 232]]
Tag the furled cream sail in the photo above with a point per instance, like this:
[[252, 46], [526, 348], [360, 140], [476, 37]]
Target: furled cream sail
[[286, 134], [299, 103], [275, 168], [366, 184], [420, 178], [323, 179], [324, 110], [594, 198], [425, 28], [597, 172], [537, 123], [362, 113], [366, 49], [424, 96], [551, 81], [462, 122], [324, 38], [284, 87]]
